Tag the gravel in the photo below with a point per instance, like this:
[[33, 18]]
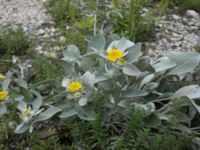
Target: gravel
[[31, 14], [175, 33]]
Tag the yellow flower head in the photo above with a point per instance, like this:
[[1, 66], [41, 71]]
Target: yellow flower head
[[26, 112], [75, 86], [3, 95], [114, 54], [2, 77]]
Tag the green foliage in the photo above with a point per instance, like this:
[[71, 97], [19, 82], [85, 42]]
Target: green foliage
[[188, 4], [183, 5], [99, 92], [102, 96], [125, 19], [137, 24], [197, 48], [129, 19], [137, 137], [163, 5], [76, 38], [66, 14], [167, 141], [14, 41], [43, 69], [33, 141], [85, 24], [118, 133], [63, 11]]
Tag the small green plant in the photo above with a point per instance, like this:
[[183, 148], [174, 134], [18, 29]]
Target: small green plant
[[188, 4], [75, 37], [136, 136], [136, 22], [43, 69], [183, 5], [63, 11], [85, 24], [197, 48], [14, 41], [33, 141], [130, 20], [163, 5]]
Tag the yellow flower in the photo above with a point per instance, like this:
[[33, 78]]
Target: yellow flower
[[26, 112], [121, 62], [2, 77], [75, 86], [51, 54], [3, 95], [114, 54]]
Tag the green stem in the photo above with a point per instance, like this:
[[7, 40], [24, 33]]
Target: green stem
[[131, 19], [5, 129]]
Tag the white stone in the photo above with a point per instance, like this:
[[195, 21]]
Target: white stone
[[194, 28], [175, 35], [56, 48], [176, 17], [41, 32], [192, 38], [192, 13], [38, 48], [191, 23], [62, 39], [145, 10]]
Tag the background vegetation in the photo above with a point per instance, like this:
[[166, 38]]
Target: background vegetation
[[79, 22]]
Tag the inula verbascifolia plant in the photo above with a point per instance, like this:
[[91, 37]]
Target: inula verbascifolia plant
[[115, 69]]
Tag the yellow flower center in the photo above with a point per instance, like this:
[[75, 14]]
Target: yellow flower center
[[3, 95], [121, 62], [77, 95], [114, 54], [26, 112], [51, 54], [75, 86], [2, 77]]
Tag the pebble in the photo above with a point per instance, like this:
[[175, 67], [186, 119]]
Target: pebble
[[62, 39], [192, 38], [192, 13], [41, 32], [176, 17]]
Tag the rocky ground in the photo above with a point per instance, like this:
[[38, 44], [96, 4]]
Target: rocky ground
[[31, 14], [173, 32], [33, 17]]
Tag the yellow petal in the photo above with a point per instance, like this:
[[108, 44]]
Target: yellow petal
[[114, 54], [3, 95], [121, 62], [75, 86], [2, 77], [26, 112]]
